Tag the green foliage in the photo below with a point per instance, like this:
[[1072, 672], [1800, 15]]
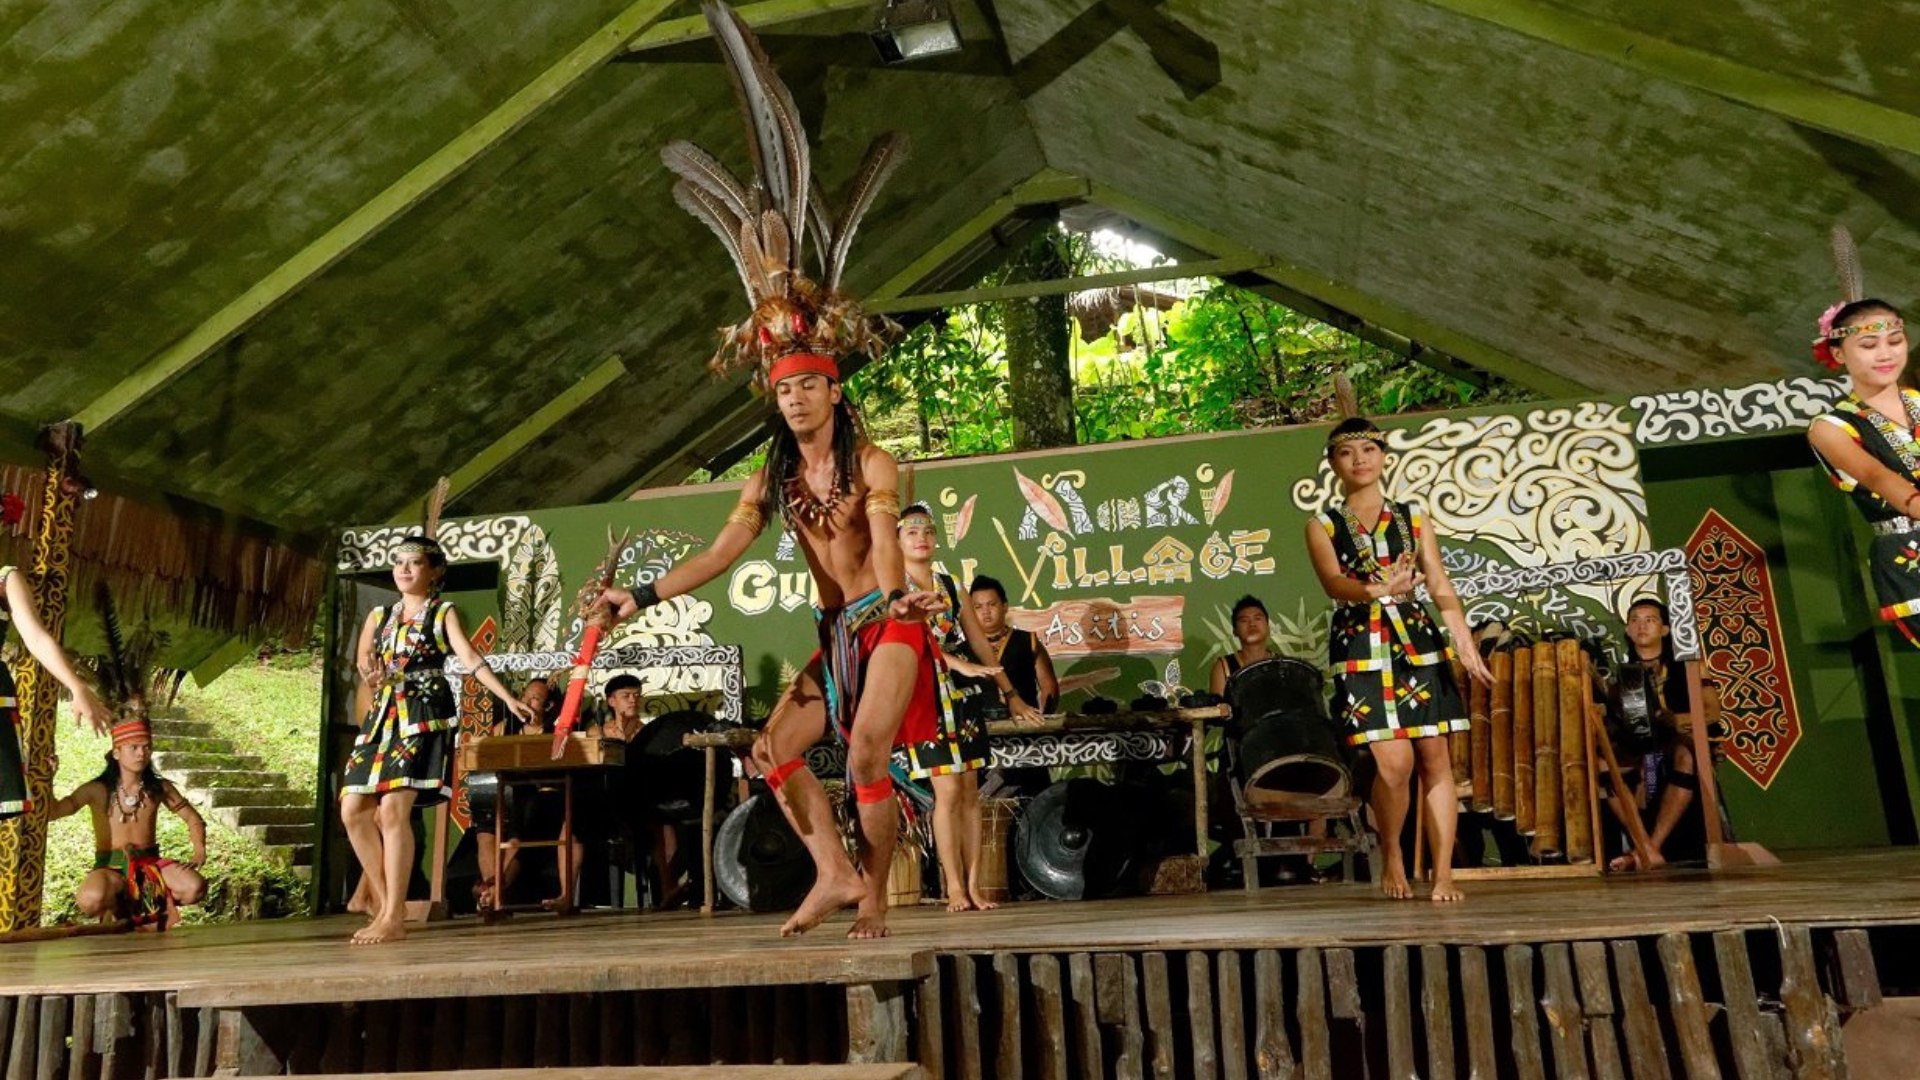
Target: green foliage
[[1221, 360]]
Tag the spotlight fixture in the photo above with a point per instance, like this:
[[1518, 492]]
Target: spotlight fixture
[[915, 30]]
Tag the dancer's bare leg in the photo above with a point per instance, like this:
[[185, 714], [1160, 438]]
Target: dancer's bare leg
[[1393, 759], [890, 676], [970, 841], [1443, 814], [395, 815], [358, 816], [797, 723], [948, 822]]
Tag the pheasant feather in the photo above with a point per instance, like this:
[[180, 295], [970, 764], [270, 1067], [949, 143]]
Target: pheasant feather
[[1846, 263]]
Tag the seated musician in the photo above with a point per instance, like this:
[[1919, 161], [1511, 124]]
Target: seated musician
[[537, 813], [1659, 770], [627, 806], [1253, 633], [130, 879], [1023, 658]]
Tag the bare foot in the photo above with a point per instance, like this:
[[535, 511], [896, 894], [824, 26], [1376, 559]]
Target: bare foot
[[959, 903], [381, 930], [829, 894], [1634, 861], [1393, 881], [1445, 891], [869, 924], [981, 904]]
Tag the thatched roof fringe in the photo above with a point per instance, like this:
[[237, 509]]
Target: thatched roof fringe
[[210, 573]]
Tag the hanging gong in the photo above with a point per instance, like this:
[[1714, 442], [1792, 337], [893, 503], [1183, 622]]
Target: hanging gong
[[667, 775], [1077, 840], [758, 862]]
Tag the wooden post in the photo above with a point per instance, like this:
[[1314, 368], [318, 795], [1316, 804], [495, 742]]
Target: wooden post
[[1577, 840], [706, 838], [1480, 745], [23, 841], [1546, 751], [1523, 793], [1200, 791], [1500, 733], [877, 1022]]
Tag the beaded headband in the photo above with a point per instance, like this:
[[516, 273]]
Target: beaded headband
[[131, 731], [1368, 434], [419, 547]]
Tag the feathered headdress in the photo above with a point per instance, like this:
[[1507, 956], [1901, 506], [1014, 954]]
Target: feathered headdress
[[1846, 265], [125, 671], [428, 542], [798, 324]]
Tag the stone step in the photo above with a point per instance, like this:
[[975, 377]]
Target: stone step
[[300, 857], [209, 779], [192, 744], [243, 816], [282, 835], [168, 728], [187, 761], [227, 795]]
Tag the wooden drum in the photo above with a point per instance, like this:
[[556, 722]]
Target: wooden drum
[[996, 848]]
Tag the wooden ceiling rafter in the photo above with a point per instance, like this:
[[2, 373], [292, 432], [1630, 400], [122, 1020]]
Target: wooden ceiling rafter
[[1798, 100]]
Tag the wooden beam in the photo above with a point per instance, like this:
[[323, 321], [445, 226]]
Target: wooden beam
[[1214, 268], [1799, 100], [767, 13], [544, 419], [1343, 297], [361, 225]]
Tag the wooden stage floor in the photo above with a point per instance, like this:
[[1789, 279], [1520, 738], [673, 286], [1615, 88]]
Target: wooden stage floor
[[304, 961]]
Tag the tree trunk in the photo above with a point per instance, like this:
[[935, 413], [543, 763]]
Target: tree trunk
[[1039, 375]]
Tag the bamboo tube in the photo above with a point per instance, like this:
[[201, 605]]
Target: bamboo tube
[[1572, 663], [1523, 796], [1500, 715], [1458, 748], [1546, 752], [1480, 745]]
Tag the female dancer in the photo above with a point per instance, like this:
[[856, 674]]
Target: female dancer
[[404, 755], [1867, 446], [19, 605], [1393, 684], [955, 758]]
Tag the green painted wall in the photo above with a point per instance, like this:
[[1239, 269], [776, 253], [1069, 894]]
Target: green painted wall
[[1826, 793]]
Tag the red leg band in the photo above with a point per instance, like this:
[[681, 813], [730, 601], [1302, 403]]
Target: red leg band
[[877, 792], [778, 776]]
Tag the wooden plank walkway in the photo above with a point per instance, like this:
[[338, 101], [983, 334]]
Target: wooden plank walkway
[[250, 964]]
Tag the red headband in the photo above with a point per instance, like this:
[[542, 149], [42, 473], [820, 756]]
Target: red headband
[[802, 364], [130, 731]]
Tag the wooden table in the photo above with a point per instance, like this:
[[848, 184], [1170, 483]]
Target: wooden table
[[1057, 739], [518, 760]]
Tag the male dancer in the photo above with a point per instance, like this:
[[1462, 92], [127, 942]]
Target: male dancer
[[129, 875], [875, 665], [837, 493]]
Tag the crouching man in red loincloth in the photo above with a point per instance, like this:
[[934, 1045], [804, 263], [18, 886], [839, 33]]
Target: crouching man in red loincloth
[[129, 878]]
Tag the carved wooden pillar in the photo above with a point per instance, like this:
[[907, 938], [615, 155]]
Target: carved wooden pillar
[[23, 840]]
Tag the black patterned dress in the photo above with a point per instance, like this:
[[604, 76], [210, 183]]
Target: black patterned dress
[[962, 745], [1391, 676], [13, 764], [406, 741], [1894, 558]]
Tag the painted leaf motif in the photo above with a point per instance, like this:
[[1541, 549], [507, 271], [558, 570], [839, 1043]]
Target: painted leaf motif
[[965, 521], [1220, 496], [1043, 503]]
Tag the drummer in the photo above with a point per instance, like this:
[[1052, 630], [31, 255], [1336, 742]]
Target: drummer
[[1254, 634], [626, 805]]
